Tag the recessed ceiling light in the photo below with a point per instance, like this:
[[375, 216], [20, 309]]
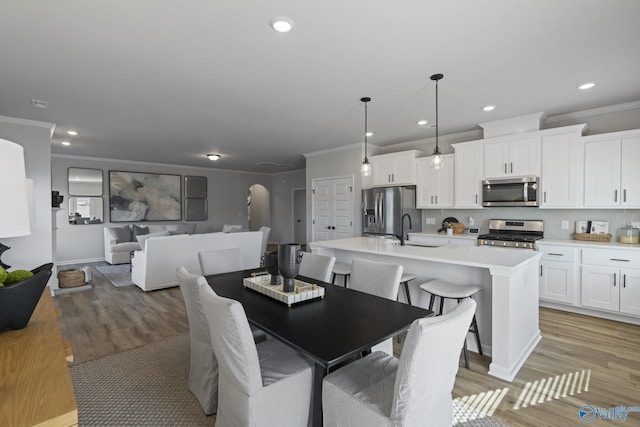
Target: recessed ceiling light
[[586, 86], [488, 108], [65, 143], [72, 132], [213, 157], [422, 122], [369, 134], [282, 24]]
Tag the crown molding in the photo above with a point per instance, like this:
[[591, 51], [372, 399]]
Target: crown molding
[[337, 149], [593, 112], [27, 122], [136, 162]]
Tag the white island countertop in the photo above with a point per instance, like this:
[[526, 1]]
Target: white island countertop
[[472, 256], [507, 304]]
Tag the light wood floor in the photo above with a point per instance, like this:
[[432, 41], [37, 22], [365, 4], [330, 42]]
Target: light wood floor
[[580, 360]]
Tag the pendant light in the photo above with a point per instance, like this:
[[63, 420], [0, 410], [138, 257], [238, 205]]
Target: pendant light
[[436, 159], [365, 168]]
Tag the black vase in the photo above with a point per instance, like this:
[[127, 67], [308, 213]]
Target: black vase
[[18, 300], [289, 257]]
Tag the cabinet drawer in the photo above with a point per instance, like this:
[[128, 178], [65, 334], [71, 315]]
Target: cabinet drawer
[[560, 253], [611, 257]]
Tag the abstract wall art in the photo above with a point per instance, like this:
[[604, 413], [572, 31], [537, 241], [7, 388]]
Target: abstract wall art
[[136, 196]]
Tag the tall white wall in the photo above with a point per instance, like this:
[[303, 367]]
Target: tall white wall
[[28, 252], [282, 221]]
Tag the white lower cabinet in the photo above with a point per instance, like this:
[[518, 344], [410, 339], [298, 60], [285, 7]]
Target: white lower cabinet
[[559, 279], [608, 283], [600, 287], [630, 292], [593, 280]]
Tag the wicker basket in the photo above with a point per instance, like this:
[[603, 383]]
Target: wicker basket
[[71, 278], [592, 237]]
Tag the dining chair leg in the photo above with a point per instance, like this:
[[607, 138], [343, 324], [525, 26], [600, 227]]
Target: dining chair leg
[[474, 329], [406, 291], [466, 354]]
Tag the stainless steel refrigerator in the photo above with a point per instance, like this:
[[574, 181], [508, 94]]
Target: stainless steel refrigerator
[[383, 209]]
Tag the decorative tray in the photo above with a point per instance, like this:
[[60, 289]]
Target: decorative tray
[[592, 237], [303, 291]]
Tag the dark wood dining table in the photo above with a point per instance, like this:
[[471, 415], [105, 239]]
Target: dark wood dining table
[[330, 331]]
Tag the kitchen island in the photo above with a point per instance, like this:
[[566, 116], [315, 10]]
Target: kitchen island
[[507, 310]]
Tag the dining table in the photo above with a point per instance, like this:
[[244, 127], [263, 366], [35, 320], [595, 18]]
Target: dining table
[[331, 331]]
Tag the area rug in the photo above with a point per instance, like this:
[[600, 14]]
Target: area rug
[[119, 275], [147, 386]]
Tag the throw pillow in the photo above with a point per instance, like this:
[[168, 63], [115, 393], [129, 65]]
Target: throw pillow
[[186, 228], [138, 231], [144, 237], [120, 234]]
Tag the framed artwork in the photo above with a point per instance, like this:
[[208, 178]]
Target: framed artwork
[[195, 187], [195, 209], [136, 196]]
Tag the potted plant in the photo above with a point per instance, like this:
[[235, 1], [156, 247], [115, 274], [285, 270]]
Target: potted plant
[[448, 226]]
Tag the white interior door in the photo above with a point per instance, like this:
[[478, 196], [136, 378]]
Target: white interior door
[[333, 208]]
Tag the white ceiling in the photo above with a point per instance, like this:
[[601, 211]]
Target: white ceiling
[[170, 81]]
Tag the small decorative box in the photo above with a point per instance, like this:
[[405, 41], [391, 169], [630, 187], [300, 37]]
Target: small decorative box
[[303, 291]]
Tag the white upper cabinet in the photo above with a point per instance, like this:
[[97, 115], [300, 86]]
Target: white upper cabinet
[[434, 187], [611, 172], [394, 168], [516, 156], [469, 172], [561, 178]]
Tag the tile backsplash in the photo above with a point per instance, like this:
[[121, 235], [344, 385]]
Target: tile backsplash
[[552, 218]]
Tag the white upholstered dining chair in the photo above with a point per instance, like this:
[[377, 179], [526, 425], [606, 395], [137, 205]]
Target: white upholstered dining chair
[[220, 261], [225, 261], [317, 266], [380, 279], [415, 390], [203, 371], [268, 384]]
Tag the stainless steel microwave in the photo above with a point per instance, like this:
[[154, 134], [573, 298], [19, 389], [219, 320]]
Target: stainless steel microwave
[[510, 192]]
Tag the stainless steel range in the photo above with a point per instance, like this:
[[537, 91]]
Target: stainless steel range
[[512, 233]]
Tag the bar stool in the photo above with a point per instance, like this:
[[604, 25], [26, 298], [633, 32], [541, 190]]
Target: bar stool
[[404, 281], [341, 269], [443, 290]]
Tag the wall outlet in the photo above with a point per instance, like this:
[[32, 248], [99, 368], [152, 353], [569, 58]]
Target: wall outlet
[[565, 225]]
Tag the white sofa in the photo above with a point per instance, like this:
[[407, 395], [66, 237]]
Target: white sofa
[[118, 252], [154, 267]]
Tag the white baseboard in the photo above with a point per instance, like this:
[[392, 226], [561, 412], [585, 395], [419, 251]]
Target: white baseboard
[[79, 261]]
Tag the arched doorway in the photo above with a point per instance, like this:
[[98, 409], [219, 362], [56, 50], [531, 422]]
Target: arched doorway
[[258, 207]]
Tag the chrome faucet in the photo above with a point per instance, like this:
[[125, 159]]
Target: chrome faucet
[[402, 228]]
